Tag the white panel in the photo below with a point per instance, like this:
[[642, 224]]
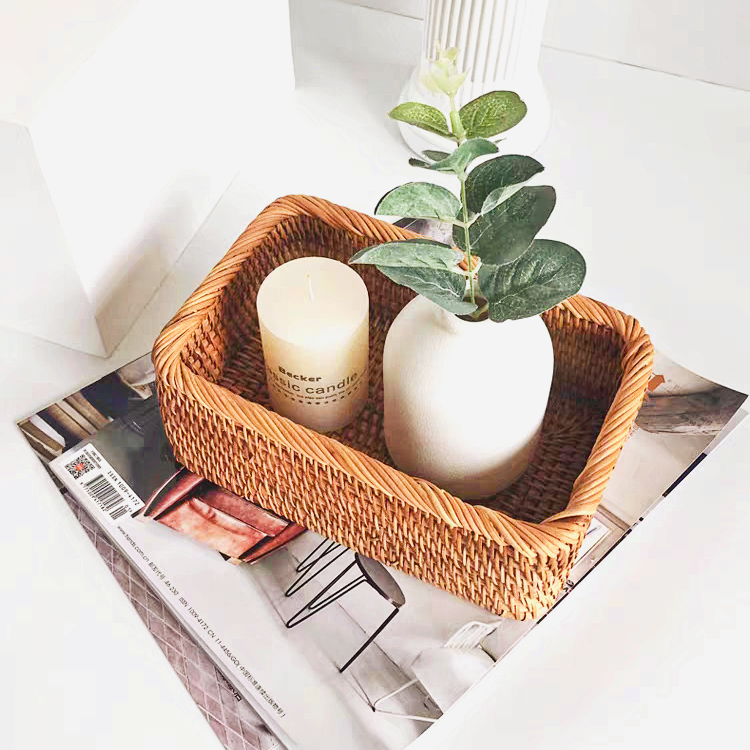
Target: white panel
[[141, 142], [40, 290]]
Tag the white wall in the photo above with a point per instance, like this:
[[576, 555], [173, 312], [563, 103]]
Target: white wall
[[707, 41], [137, 115], [411, 8], [691, 38]]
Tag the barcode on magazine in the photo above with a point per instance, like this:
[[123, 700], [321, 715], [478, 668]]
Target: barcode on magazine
[[107, 496], [102, 487]]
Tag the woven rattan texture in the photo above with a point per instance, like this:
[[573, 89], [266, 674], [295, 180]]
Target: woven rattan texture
[[510, 554]]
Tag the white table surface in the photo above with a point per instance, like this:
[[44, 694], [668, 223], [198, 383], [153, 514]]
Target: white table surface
[[651, 172]]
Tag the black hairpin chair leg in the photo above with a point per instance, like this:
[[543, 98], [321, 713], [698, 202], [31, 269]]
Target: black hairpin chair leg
[[371, 638], [307, 566], [319, 601], [314, 558], [371, 572]]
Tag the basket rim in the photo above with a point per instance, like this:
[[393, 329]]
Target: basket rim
[[546, 538]]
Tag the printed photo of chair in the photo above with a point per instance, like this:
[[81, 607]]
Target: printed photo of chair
[[234, 526], [366, 571], [448, 671]]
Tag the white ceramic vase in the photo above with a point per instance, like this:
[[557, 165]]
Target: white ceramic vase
[[499, 43], [464, 401]]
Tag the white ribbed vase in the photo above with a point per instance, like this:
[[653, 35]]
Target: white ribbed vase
[[464, 401], [499, 43]]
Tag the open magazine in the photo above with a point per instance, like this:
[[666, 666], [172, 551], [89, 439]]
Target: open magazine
[[315, 646]]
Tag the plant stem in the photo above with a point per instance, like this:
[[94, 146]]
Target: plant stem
[[467, 242], [456, 124], [483, 309], [460, 133]]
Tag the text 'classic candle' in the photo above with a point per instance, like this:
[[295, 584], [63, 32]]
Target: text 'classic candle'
[[314, 325]]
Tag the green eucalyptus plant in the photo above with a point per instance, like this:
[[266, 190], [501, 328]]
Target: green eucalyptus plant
[[495, 267]]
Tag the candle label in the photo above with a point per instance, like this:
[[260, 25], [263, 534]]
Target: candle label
[[312, 390]]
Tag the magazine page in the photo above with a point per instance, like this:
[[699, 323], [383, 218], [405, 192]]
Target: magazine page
[[233, 718], [329, 648]]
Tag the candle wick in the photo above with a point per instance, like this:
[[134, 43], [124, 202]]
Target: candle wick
[[310, 288]]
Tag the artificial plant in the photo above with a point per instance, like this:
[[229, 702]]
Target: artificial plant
[[496, 268]]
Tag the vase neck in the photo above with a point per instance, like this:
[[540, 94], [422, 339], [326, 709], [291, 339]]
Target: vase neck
[[459, 326]]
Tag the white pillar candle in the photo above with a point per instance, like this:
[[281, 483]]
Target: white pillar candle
[[314, 324]]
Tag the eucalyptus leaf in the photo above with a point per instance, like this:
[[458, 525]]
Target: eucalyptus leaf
[[492, 113], [496, 180], [436, 155], [464, 155], [498, 196], [444, 288], [505, 233], [434, 166], [419, 253], [419, 200], [422, 116], [547, 273]]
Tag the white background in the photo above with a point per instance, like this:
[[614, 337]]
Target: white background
[[692, 38], [651, 172], [42, 42]]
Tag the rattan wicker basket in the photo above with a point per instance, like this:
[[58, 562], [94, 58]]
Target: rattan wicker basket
[[510, 554]]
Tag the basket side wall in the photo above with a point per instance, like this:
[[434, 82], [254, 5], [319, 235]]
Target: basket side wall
[[348, 511]]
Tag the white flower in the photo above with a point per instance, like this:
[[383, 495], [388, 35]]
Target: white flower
[[443, 75]]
